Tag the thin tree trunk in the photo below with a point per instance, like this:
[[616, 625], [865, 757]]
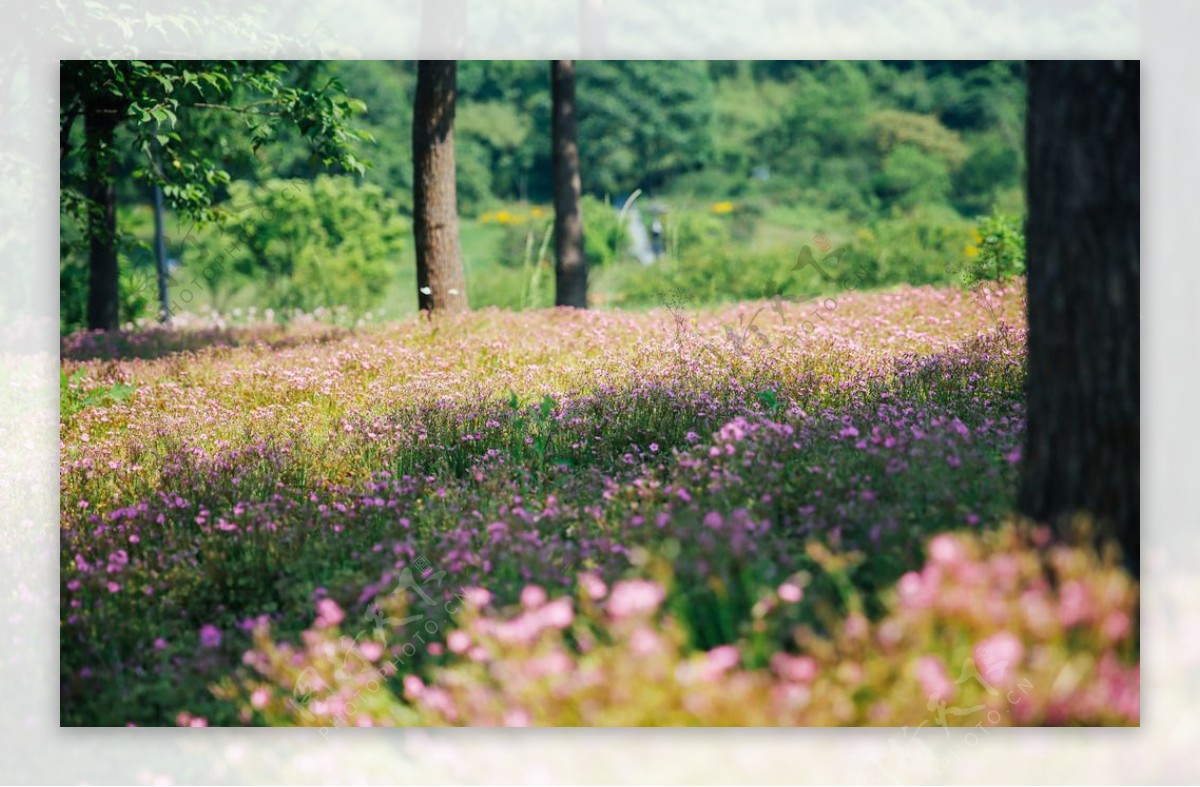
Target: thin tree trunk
[[103, 306], [160, 255], [441, 285], [571, 264], [1083, 442]]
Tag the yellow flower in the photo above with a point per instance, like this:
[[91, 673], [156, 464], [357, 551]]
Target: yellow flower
[[536, 212], [723, 207], [971, 251]]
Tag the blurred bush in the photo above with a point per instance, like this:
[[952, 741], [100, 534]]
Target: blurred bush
[[996, 251], [999, 629], [301, 245]]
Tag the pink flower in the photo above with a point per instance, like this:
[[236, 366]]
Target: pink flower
[[1074, 605], [516, 718], [644, 641], [634, 597], [713, 520], [557, 614], [533, 597], [856, 626], [593, 585], [210, 635], [413, 686], [477, 597], [998, 657], [160, 643], [931, 674], [371, 650], [259, 698], [556, 663], [458, 641], [1116, 626], [185, 719], [799, 669], [914, 592], [723, 658], [522, 630], [790, 592], [946, 550], [329, 614]]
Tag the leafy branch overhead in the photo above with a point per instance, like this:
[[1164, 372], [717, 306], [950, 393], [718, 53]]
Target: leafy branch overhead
[[148, 99]]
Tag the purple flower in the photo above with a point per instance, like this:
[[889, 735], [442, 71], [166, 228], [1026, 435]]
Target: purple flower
[[210, 635]]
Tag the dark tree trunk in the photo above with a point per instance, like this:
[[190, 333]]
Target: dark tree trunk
[[103, 306], [571, 264], [441, 285], [1083, 443]]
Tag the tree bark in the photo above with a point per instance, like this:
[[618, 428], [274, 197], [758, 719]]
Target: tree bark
[[570, 263], [1083, 438], [103, 305], [441, 284]]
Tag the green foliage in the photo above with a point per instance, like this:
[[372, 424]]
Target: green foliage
[[72, 397], [911, 249], [641, 123], [602, 236], [911, 177], [148, 98], [893, 127], [998, 252], [893, 159], [329, 242]]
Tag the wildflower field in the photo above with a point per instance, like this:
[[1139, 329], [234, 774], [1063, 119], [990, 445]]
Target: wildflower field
[[769, 514]]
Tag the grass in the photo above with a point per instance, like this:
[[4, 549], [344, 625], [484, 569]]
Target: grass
[[238, 485]]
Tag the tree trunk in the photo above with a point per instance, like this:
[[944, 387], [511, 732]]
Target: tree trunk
[[441, 285], [103, 306], [571, 265], [1083, 440]]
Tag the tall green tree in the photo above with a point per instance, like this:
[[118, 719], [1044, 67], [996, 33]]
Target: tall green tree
[[146, 99], [1083, 441], [441, 284], [643, 122], [570, 287]]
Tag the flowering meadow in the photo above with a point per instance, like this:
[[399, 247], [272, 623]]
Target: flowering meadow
[[767, 514]]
